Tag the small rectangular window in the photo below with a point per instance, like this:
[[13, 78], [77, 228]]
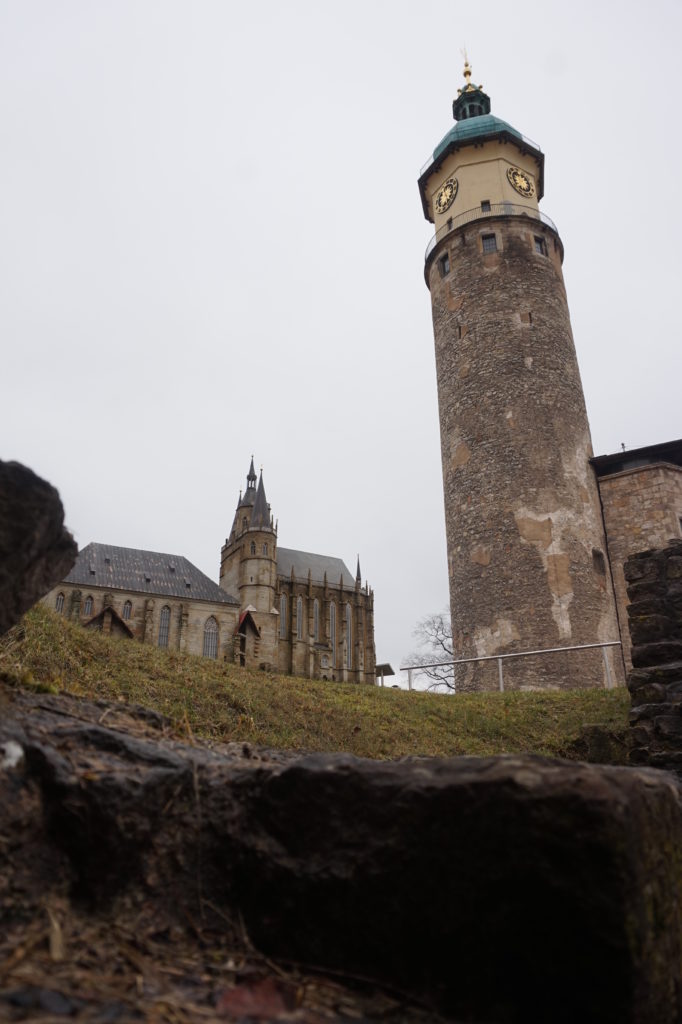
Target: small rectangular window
[[444, 264], [540, 245], [489, 243], [485, 206]]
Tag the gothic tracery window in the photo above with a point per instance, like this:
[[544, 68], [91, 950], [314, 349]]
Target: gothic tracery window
[[87, 610], [127, 610], [349, 636], [316, 621], [283, 616], [59, 603], [211, 638], [299, 618], [332, 632], [164, 626]]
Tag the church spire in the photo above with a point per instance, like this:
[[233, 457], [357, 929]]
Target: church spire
[[358, 574], [249, 496], [261, 510]]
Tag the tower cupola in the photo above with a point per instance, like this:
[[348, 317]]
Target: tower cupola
[[471, 100]]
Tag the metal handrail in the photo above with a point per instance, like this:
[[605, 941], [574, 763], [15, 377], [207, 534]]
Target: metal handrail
[[496, 210], [515, 654]]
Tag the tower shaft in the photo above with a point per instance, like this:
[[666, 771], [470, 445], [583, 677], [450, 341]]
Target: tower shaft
[[527, 562]]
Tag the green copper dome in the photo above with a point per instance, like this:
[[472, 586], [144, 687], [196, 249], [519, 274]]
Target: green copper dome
[[475, 128]]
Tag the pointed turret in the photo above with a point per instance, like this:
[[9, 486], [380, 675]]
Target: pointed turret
[[358, 576], [249, 497], [260, 517]]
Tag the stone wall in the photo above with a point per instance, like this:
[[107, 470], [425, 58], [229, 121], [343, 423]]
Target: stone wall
[[642, 509], [187, 618], [654, 583]]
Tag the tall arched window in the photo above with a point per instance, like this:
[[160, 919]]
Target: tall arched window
[[316, 621], [164, 626], [59, 604], [265, 548], [349, 636], [299, 618], [283, 616], [87, 610], [211, 638], [332, 632], [127, 609], [253, 547]]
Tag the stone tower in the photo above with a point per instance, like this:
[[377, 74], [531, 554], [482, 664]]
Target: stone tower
[[248, 559], [526, 549]]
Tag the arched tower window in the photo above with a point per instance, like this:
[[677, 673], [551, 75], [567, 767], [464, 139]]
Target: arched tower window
[[349, 636], [127, 609], [299, 618], [283, 616], [87, 610], [332, 632], [164, 626], [253, 547], [265, 548], [211, 638], [316, 621], [59, 603]]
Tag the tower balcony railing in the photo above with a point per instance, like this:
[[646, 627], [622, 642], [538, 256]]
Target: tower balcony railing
[[496, 210]]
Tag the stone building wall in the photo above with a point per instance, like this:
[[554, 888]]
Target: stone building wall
[[526, 549], [654, 584], [187, 618], [308, 657], [642, 509]]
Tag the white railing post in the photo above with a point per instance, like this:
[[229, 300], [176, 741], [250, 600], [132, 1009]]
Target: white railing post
[[607, 667], [500, 674], [409, 678]]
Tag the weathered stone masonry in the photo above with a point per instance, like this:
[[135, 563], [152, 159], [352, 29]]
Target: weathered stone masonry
[[654, 581]]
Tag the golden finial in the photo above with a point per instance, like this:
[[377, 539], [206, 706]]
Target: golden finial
[[467, 74], [467, 67]]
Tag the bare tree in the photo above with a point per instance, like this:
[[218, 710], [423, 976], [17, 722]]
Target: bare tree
[[434, 645]]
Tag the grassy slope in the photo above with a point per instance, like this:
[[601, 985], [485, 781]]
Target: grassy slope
[[224, 702]]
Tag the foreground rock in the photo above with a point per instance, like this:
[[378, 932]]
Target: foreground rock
[[35, 549], [496, 889]]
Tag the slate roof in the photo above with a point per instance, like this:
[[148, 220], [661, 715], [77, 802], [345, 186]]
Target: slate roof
[[318, 565], [144, 572]]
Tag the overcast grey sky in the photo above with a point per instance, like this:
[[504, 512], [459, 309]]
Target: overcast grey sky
[[211, 244]]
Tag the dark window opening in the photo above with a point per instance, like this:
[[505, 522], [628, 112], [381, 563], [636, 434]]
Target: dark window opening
[[59, 604], [485, 206], [444, 264], [127, 610], [598, 561], [88, 606], [540, 245], [489, 243], [459, 331]]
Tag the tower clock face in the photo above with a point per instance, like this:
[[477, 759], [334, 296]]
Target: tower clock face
[[445, 196], [521, 182]]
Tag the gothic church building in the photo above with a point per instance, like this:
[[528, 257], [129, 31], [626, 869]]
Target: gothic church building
[[275, 609]]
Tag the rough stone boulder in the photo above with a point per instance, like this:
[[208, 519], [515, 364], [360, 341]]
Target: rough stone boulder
[[495, 889], [35, 549]]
